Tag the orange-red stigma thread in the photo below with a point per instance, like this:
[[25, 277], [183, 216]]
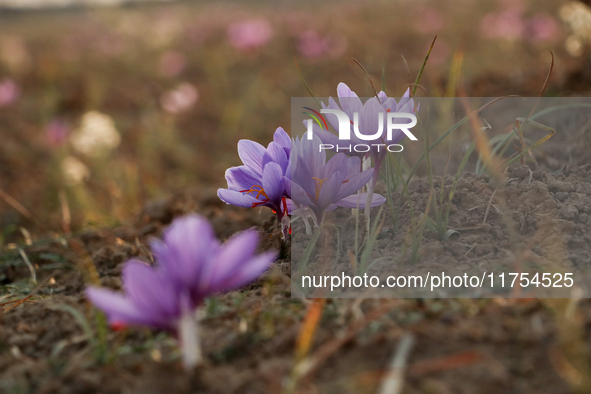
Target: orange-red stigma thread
[[259, 192], [319, 183]]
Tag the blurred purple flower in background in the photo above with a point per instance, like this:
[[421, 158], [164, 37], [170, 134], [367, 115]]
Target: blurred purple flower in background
[[264, 178], [250, 34], [320, 186], [429, 20], [180, 99], [9, 92], [172, 63], [542, 28], [191, 265], [56, 133], [507, 25], [313, 46]]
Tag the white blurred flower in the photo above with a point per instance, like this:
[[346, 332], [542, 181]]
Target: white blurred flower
[[97, 133], [74, 171], [179, 99], [574, 46], [577, 17]]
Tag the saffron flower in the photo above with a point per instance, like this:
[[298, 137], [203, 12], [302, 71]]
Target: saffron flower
[[191, 265], [369, 113], [321, 186], [264, 178]]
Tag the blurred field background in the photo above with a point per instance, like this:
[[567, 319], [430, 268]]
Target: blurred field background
[[105, 108]]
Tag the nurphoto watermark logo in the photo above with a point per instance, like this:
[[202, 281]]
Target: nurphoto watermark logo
[[376, 140]]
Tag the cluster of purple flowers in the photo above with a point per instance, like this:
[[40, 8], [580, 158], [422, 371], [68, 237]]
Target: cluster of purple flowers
[[293, 176], [290, 177]]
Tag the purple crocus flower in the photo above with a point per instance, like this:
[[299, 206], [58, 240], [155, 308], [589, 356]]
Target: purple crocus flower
[[321, 186], [264, 178], [191, 265], [368, 112]]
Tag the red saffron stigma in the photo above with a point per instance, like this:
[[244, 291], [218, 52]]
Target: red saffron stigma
[[118, 326], [259, 192], [256, 204]]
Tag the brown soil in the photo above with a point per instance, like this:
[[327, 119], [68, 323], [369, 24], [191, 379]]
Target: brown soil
[[249, 336]]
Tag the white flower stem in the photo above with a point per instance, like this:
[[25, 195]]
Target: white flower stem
[[366, 165], [189, 341], [368, 200]]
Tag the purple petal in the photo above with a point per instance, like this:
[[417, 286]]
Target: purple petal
[[354, 183], [251, 270], [349, 100], [237, 198], [235, 253], [290, 206], [120, 309], [242, 178], [353, 166], [390, 105], [337, 163], [299, 195], [276, 154], [332, 118], [328, 190], [311, 154], [405, 100], [190, 241], [344, 146], [287, 186], [150, 291], [369, 119], [273, 181], [359, 200], [287, 171], [282, 138], [325, 136], [304, 177], [251, 153]]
